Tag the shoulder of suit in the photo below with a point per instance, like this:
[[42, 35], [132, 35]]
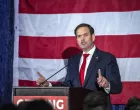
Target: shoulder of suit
[[106, 54], [76, 55]]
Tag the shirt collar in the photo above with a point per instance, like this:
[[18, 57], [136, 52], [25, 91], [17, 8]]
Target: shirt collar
[[91, 52]]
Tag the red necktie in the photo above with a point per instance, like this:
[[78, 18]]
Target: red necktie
[[82, 70]]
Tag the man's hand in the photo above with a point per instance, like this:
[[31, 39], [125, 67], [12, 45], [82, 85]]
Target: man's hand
[[102, 81], [41, 81]]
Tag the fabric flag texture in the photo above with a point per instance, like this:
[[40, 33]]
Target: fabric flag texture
[[46, 39]]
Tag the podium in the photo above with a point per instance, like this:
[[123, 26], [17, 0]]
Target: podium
[[62, 98]]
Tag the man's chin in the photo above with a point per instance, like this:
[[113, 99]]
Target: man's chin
[[83, 48]]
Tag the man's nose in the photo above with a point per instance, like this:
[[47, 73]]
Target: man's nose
[[82, 38]]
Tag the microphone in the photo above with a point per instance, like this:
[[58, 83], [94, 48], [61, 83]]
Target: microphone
[[53, 75]]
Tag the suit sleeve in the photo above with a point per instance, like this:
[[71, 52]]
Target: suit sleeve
[[113, 75], [67, 81]]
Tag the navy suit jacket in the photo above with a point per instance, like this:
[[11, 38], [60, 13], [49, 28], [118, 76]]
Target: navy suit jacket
[[100, 60]]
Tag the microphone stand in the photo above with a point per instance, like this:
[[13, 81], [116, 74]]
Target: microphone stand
[[53, 75]]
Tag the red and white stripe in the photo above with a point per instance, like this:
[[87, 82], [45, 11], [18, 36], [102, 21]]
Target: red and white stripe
[[46, 30]]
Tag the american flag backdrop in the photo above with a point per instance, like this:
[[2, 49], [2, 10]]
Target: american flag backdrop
[[45, 30]]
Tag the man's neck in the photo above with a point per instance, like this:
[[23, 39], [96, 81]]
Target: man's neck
[[86, 51]]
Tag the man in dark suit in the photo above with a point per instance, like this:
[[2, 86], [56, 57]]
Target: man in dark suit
[[92, 69]]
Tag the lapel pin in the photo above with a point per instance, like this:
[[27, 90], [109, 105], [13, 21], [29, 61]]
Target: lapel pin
[[96, 58]]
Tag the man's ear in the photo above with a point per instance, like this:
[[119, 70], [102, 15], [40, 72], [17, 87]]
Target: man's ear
[[93, 37]]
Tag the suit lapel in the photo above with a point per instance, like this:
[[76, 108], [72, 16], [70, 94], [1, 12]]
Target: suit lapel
[[92, 64]]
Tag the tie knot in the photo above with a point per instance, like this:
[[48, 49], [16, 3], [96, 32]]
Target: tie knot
[[85, 55]]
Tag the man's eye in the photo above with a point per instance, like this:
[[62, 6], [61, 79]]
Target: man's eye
[[79, 36], [86, 34]]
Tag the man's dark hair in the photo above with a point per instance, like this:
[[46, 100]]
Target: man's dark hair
[[91, 29], [133, 104], [39, 104], [9, 106], [96, 100]]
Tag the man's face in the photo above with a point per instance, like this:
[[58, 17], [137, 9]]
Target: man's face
[[85, 39]]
